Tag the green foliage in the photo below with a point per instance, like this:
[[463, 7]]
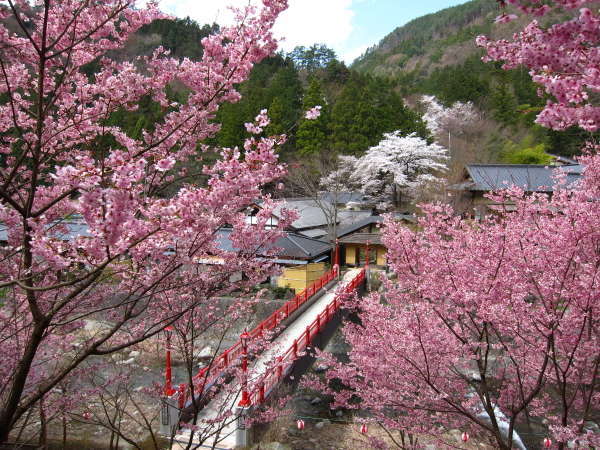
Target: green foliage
[[503, 104], [181, 36], [273, 84], [509, 97], [366, 108], [312, 134], [317, 56], [525, 152], [463, 82], [569, 142], [356, 109]]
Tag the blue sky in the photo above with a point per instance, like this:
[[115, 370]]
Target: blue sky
[[374, 19], [347, 26]]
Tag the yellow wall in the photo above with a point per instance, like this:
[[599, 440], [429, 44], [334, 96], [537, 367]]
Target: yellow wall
[[299, 278], [381, 259], [352, 249], [351, 254]]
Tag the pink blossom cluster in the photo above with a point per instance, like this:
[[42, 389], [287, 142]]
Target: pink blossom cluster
[[488, 326], [564, 59], [484, 320], [115, 234], [313, 113]]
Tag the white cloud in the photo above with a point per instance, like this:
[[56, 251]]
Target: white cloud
[[310, 21], [304, 23], [349, 55]]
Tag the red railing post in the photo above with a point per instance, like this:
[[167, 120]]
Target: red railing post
[[245, 401], [168, 375], [261, 392], [279, 368], [318, 323], [308, 335], [295, 347], [181, 399]]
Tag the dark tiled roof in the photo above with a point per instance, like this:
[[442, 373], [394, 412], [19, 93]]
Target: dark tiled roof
[[291, 245], [362, 238], [531, 178], [368, 221], [315, 233]]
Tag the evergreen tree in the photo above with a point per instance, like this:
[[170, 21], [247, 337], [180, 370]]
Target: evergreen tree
[[343, 114], [504, 104], [312, 135]]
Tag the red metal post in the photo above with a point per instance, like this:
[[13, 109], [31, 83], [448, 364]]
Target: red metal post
[[168, 376], [308, 335], [295, 347], [181, 396], [245, 401]]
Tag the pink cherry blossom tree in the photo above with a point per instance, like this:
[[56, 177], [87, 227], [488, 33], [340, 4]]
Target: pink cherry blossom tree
[[94, 258], [491, 326]]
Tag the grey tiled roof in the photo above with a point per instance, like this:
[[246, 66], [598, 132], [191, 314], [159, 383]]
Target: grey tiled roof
[[342, 197], [72, 229], [532, 178], [291, 245], [311, 215]]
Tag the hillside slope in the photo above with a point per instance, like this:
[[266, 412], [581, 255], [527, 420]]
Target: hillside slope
[[446, 37], [436, 54]]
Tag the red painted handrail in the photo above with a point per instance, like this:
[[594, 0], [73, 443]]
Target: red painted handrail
[[270, 379], [205, 377]]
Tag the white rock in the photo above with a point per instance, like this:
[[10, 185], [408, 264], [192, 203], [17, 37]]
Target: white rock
[[127, 361], [206, 352]]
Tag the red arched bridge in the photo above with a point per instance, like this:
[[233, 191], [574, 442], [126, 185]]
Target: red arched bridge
[[297, 323]]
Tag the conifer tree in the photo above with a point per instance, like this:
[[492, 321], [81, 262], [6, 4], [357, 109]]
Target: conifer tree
[[312, 135]]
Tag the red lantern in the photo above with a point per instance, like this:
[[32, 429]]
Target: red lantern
[[465, 437], [547, 443], [300, 424], [363, 428]]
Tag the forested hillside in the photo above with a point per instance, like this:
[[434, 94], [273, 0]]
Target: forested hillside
[[356, 108], [436, 54]]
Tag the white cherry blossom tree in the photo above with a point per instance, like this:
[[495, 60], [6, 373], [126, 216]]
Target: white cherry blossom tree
[[392, 170]]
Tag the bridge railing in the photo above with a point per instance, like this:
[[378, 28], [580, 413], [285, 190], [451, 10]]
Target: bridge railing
[[208, 375], [275, 374]]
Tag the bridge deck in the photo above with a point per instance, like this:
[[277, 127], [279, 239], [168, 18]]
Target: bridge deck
[[258, 368]]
